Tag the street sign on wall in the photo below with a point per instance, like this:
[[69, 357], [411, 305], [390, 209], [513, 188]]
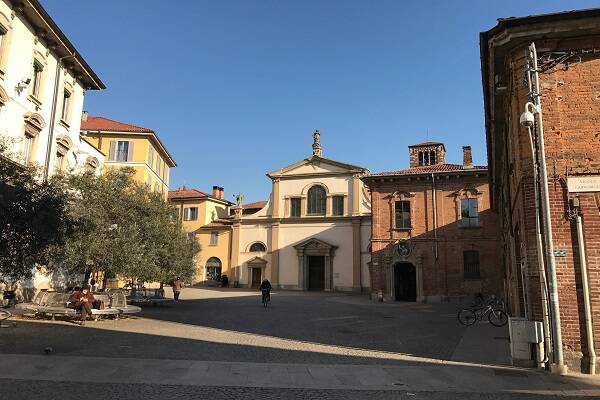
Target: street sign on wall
[[579, 184]]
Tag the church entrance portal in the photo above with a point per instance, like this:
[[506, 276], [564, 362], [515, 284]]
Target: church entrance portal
[[405, 282], [316, 273]]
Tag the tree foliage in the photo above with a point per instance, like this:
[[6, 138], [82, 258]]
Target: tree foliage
[[33, 219], [122, 228]]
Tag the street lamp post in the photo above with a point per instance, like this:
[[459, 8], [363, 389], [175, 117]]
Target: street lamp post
[[532, 117]]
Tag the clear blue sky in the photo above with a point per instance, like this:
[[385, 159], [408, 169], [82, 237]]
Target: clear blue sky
[[235, 88]]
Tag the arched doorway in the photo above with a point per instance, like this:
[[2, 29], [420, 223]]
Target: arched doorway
[[405, 282], [213, 270]]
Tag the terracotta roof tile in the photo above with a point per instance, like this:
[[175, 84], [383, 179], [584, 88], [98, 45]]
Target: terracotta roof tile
[[110, 125], [103, 124], [433, 168], [219, 222], [185, 193], [256, 204]]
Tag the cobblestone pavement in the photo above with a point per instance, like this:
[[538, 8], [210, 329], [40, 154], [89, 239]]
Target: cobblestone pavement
[[44, 390], [224, 344], [233, 326]]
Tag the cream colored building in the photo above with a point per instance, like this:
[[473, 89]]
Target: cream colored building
[[313, 233], [132, 146], [43, 79]]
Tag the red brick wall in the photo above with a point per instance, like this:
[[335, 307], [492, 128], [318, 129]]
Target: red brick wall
[[571, 116], [442, 277]]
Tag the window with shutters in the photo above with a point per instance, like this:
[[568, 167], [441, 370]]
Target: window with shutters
[[150, 160], [295, 207], [5, 39], [317, 197], [469, 213], [27, 151], [121, 151], [402, 215], [471, 264], [66, 106], [36, 78], [338, 205], [214, 238], [190, 214]]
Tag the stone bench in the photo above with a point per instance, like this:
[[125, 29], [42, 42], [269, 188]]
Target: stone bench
[[147, 296], [53, 304]]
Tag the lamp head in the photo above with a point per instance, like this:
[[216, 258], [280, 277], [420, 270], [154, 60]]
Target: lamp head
[[527, 119]]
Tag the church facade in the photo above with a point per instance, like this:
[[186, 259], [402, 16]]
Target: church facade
[[312, 234]]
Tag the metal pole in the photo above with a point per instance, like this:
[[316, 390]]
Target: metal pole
[[552, 283], [540, 253], [586, 294]]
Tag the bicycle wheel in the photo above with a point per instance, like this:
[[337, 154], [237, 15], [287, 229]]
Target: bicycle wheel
[[497, 317], [265, 301], [467, 317]]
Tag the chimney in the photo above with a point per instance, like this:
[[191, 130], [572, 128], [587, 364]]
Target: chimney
[[84, 116], [467, 157], [221, 193], [215, 192]]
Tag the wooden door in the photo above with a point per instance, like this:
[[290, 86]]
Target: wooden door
[[316, 273], [256, 278]]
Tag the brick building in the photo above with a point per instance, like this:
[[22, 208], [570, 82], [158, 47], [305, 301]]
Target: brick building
[[568, 68], [434, 237]]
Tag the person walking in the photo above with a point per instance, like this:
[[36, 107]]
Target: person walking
[[177, 286]]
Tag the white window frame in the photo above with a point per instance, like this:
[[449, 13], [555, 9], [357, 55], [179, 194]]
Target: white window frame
[[187, 214]]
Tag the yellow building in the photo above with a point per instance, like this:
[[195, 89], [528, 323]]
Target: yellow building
[[205, 218], [131, 146]]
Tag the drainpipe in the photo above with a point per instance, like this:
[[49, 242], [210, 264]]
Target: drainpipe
[[435, 241], [542, 358], [552, 283], [53, 115], [586, 289]]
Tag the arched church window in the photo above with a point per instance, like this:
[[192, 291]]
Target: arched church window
[[316, 200], [257, 247]]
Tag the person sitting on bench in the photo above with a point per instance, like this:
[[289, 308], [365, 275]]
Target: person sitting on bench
[[82, 300]]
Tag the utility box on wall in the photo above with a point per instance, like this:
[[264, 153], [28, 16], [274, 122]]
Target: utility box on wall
[[524, 333]]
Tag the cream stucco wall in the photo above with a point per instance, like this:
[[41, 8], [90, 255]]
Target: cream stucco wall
[[16, 60]]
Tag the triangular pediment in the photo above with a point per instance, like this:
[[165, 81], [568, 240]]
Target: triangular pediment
[[317, 165], [257, 260], [314, 244]]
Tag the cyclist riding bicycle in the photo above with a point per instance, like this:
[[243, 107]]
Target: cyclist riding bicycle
[[265, 288]]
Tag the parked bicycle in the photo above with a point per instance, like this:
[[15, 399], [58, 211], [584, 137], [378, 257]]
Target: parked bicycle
[[493, 309]]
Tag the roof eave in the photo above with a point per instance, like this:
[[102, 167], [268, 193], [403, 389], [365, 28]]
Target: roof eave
[[462, 172], [64, 46]]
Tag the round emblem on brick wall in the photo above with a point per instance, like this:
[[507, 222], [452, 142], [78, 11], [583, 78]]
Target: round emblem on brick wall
[[403, 249]]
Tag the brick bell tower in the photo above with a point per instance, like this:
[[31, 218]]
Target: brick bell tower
[[427, 153]]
